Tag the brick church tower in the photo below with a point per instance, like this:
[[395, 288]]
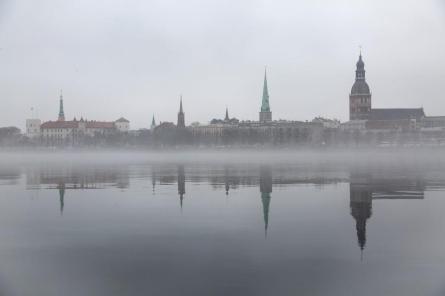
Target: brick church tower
[[360, 97]]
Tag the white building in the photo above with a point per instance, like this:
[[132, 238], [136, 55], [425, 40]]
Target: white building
[[122, 125], [33, 128]]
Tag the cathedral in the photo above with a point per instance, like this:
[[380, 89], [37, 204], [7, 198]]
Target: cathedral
[[360, 107]]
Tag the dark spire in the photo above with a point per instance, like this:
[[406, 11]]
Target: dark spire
[[360, 72], [227, 115], [181, 117], [61, 112], [153, 123]]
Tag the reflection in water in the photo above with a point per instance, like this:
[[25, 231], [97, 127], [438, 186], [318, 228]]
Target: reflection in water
[[266, 190], [181, 184], [61, 188], [364, 188], [116, 238]]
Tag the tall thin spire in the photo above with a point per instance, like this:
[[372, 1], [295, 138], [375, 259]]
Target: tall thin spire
[[226, 118], [265, 114], [153, 123], [265, 101], [61, 112], [181, 117]]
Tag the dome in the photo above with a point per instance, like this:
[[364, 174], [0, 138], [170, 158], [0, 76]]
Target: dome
[[360, 87]]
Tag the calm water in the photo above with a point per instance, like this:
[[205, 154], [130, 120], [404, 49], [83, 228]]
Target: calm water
[[215, 229]]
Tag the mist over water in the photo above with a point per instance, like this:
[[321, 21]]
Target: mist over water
[[218, 223]]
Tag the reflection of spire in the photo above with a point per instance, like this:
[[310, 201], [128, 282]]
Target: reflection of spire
[[265, 189], [61, 197], [226, 180], [153, 181], [181, 184], [361, 210]]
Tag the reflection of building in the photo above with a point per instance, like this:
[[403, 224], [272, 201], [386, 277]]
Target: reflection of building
[[61, 188], [266, 190], [363, 189], [181, 183], [73, 178]]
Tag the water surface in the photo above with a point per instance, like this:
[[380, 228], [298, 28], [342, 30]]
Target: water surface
[[188, 228]]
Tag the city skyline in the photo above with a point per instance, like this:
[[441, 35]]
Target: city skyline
[[215, 66]]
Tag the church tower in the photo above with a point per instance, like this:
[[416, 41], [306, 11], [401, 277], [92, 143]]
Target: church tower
[[181, 119], [360, 97], [61, 113], [153, 123], [265, 114]]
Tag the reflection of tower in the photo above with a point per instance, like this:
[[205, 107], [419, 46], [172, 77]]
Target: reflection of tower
[[181, 183], [226, 180], [61, 188], [265, 189], [361, 209], [153, 180]]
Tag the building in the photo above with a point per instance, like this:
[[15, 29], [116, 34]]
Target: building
[[265, 131], [73, 132], [33, 128], [326, 122], [122, 125], [181, 116], [360, 108], [265, 113], [360, 96]]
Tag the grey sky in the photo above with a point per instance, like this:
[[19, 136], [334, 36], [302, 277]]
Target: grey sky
[[117, 58]]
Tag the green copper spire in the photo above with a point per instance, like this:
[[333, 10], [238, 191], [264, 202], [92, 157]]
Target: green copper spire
[[265, 103]]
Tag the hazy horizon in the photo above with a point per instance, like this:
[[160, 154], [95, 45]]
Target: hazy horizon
[[134, 58]]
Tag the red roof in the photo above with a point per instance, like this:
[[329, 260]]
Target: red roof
[[60, 124], [75, 124], [99, 124]]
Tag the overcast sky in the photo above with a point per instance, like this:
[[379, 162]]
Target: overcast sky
[[116, 58]]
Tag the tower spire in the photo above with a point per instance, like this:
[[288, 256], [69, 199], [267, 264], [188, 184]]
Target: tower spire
[[265, 114], [61, 112], [153, 123], [226, 118], [181, 117]]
